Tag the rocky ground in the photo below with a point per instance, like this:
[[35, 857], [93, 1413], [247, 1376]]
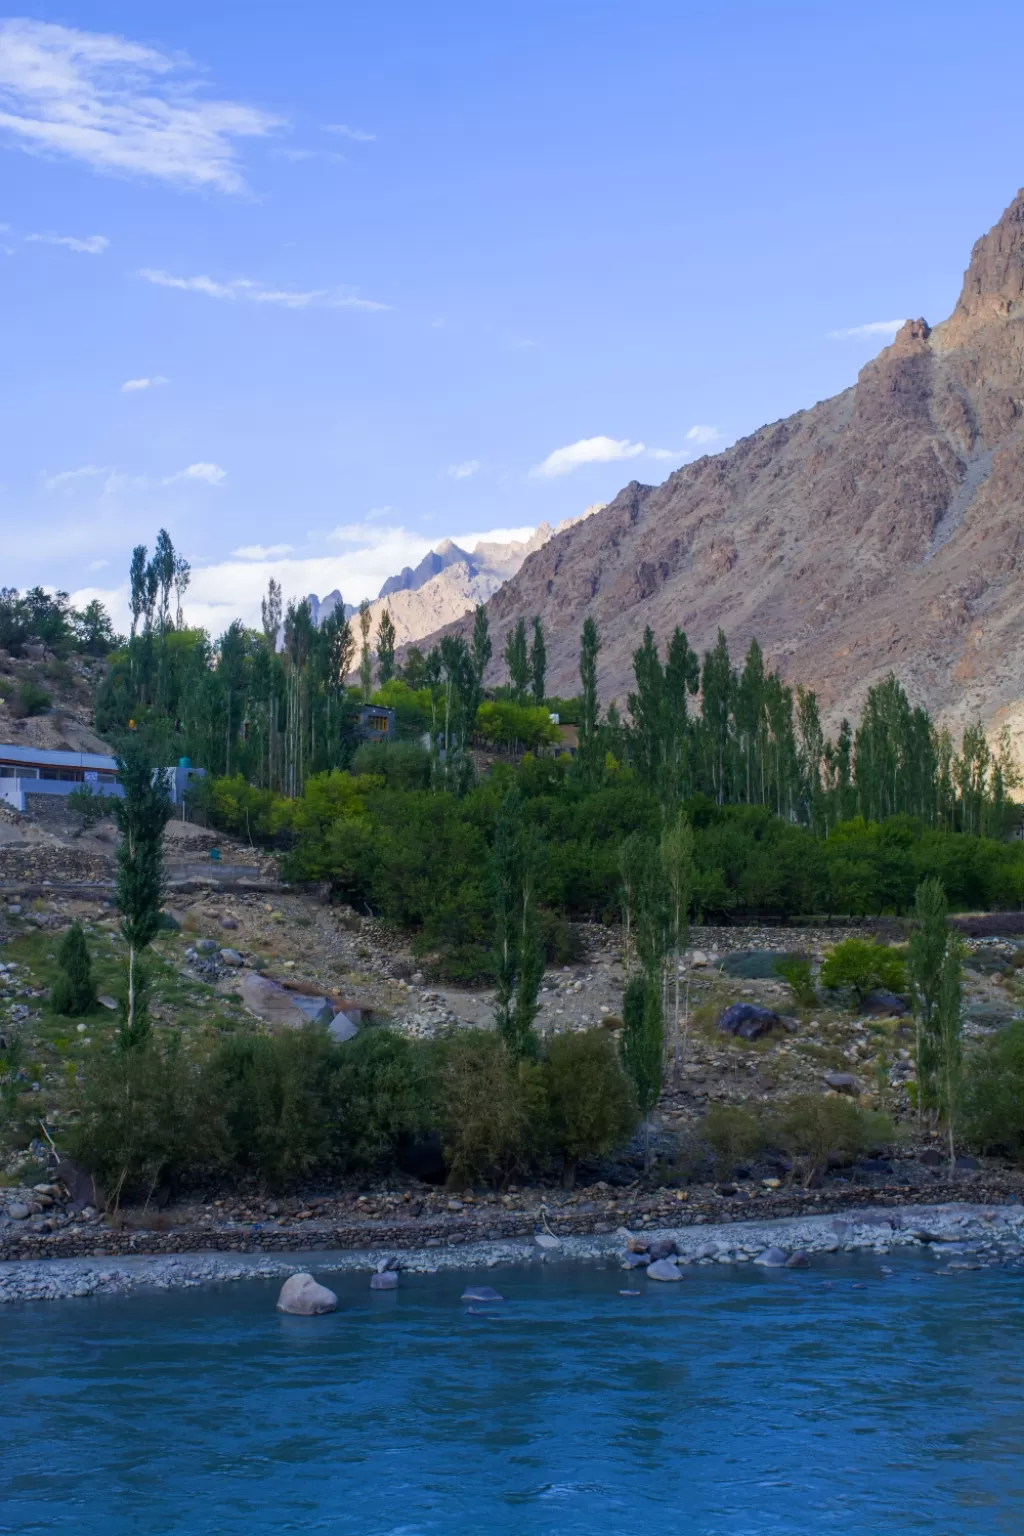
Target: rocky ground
[[957, 1237]]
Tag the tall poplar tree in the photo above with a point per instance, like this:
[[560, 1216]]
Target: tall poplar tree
[[141, 816], [589, 751], [385, 648], [538, 663]]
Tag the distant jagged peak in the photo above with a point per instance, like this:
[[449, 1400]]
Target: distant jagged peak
[[993, 287]]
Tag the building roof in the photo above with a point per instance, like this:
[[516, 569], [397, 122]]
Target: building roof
[[40, 757]]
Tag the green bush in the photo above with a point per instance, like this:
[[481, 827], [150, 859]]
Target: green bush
[[74, 991], [795, 971], [276, 1097], [993, 1111], [813, 1127], [145, 1119], [732, 1134], [378, 1097], [489, 1108], [591, 1103], [401, 764], [30, 699], [87, 805], [864, 967]]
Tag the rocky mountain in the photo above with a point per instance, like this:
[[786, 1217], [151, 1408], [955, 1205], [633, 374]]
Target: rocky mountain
[[448, 582], [880, 530]]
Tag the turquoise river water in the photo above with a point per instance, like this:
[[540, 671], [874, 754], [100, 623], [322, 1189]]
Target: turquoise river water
[[738, 1403]]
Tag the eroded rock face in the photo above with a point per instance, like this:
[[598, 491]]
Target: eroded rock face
[[877, 531], [301, 1296]]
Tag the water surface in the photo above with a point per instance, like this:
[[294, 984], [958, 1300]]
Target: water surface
[[738, 1402]]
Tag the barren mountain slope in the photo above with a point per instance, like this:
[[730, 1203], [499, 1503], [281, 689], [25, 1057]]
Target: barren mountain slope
[[881, 529]]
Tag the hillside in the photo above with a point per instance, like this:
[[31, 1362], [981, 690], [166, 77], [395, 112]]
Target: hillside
[[878, 530]]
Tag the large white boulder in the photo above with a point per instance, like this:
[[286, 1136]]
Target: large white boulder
[[301, 1296]]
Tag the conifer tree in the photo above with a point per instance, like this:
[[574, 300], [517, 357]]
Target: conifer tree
[[73, 991], [482, 649], [589, 754], [141, 816], [518, 662], [518, 950]]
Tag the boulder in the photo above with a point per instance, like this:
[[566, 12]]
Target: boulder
[[481, 1293], [798, 1260], [316, 1009], [662, 1248], [18, 1212], [885, 1005], [229, 924], [386, 1280], [749, 1021], [636, 1260], [772, 1258], [206, 946], [231, 957], [842, 1082], [663, 1269], [267, 1000], [301, 1296], [341, 1028]]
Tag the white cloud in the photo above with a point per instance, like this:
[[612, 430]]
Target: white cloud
[[120, 107], [260, 293], [865, 332], [295, 155], [91, 245], [262, 551], [667, 453], [97, 565], [465, 470], [69, 476], [134, 386], [210, 474], [703, 437], [589, 450], [344, 131]]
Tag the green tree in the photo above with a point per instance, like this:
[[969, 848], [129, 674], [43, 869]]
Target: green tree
[[926, 954], [948, 1026], [678, 871], [482, 649], [518, 662], [589, 753], [642, 1045], [864, 967], [518, 951], [73, 991], [538, 663], [365, 655], [591, 1105], [141, 816], [385, 649]]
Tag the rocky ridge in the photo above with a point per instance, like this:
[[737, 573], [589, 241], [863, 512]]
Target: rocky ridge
[[879, 530]]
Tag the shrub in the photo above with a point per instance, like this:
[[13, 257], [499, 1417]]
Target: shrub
[[145, 1119], [30, 699], [489, 1109], [795, 971], [732, 1134], [812, 1127], [378, 1097], [591, 1103], [73, 991], [276, 1098], [87, 805], [993, 1118], [401, 764], [863, 966]]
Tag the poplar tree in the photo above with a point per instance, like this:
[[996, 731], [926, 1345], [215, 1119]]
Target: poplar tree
[[385, 648], [482, 649], [642, 1044], [949, 1038], [518, 951], [538, 663], [926, 955], [518, 662], [676, 853], [589, 752], [365, 658], [141, 815]]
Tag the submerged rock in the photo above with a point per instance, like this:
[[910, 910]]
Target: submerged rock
[[386, 1280], [481, 1293], [798, 1260], [302, 1296], [663, 1269]]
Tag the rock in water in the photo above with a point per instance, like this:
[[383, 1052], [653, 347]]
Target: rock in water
[[798, 1260], [748, 1021], [301, 1296], [663, 1269], [772, 1258], [546, 1240], [481, 1293], [662, 1248], [386, 1280]]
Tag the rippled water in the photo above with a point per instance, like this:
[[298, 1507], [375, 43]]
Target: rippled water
[[737, 1402]]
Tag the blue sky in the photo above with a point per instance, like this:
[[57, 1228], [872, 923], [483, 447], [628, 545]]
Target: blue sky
[[317, 285]]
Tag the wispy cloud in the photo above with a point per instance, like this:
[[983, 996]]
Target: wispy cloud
[[345, 131], [667, 453], [588, 450], [295, 155], [262, 551], [134, 386], [120, 107], [91, 245], [260, 293], [865, 332], [115, 480], [97, 565], [69, 476], [464, 471]]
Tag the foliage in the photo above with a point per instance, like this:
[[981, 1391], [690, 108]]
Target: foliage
[[74, 991], [141, 815], [30, 699], [795, 971], [275, 1095], [993, 1094], [378, 1098], [490, 1109], [863, 966], [511, 727], [591, 1105], [733, 1136], [518, 951], [87, 805], [811, 1127], [642, 1034], [926, 954]]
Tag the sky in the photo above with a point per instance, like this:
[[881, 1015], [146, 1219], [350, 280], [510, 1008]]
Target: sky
[[314, 286]]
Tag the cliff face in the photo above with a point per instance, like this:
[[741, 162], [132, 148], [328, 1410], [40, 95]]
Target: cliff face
[[880, 530]]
